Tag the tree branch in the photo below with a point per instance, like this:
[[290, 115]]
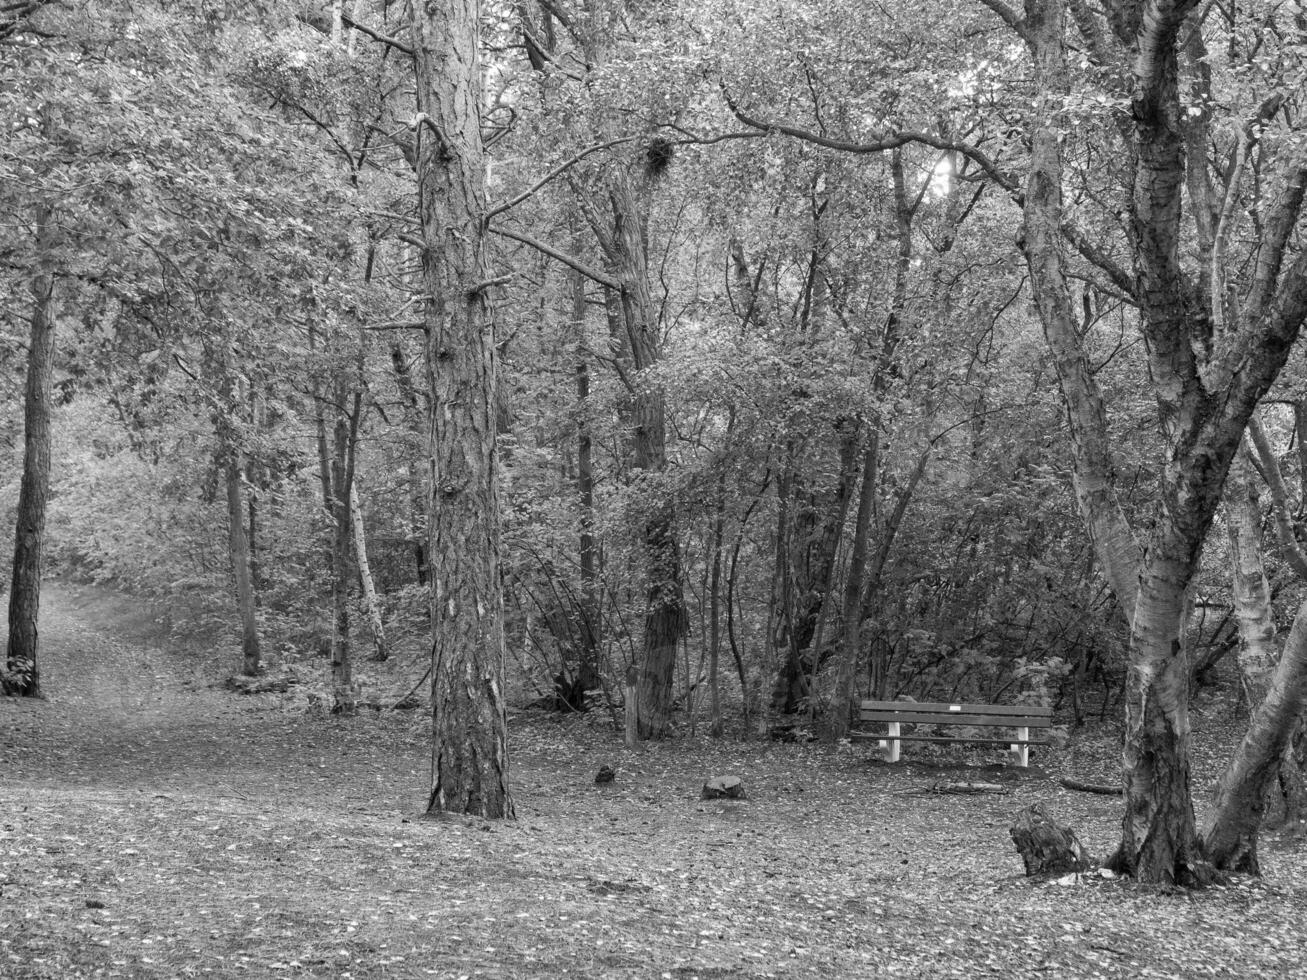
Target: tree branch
[[1009, 17], [889, 142], [560, 169], [562, 257], [1270, 468]]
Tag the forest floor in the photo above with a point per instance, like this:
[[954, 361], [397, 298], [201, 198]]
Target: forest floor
[[154, 825]]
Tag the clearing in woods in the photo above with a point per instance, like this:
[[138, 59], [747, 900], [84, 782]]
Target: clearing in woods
[[152, 825]]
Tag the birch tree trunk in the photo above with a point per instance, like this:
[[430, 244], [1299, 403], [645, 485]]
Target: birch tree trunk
[[22, 674], [380, 650], [469, 761]]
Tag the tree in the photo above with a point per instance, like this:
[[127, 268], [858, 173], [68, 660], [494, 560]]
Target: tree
[[1209, 370], [469, 749], [22, 672]]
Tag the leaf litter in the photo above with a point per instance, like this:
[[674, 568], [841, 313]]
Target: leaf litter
[[152, 825]]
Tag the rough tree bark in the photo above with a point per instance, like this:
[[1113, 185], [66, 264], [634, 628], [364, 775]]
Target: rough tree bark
[[22, 674], [238, 546], [469, 762]]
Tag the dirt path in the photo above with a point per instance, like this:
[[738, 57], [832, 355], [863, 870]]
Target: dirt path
[[125, 707]]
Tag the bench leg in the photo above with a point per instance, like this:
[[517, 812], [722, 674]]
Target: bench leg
[[1022, 750], [890, 746]]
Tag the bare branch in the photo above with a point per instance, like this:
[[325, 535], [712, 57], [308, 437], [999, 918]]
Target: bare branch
[[319, 23], [563, 257], [1270, 469], [1009, 17], [557, 171], [888, 142]]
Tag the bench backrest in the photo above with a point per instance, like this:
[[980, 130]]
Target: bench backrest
[[943, 713]]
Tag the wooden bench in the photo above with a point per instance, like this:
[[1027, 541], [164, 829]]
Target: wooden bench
[[895, 714]]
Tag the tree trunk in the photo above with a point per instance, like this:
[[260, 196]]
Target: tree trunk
[[344, 440], [816, 527], [852, 611], [1230, 837], [664, 620], [715, 726], [1252, 593], [380, 650], [588, 635], [239, 548], [469, 762], [22, 675]]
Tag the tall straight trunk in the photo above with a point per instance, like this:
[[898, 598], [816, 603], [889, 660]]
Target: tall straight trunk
[[665, 618], [371, 602], [238, 546], [1159, 837], [715, 726], [852, 609], [344, 442], [22, 674], [859, 593], [469, 756], [588, 634]]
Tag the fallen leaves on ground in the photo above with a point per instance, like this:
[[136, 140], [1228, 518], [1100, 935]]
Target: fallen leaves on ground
[[154, 826]]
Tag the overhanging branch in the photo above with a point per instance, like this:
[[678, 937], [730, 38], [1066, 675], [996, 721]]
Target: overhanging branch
[[563, 257]]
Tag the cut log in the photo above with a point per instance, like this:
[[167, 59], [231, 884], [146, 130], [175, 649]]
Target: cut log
[[1046, 846], [259, 685], [724, 788]]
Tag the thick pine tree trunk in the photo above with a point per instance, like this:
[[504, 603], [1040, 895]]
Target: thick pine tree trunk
[[469, 764], [22, 675]]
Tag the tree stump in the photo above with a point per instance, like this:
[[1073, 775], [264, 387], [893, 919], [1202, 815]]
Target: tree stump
[[1046, 846], [724, 788]]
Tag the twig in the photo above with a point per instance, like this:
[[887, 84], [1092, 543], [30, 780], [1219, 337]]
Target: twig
[[1101, 788]]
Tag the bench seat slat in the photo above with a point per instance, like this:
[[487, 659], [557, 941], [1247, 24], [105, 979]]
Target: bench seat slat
[[914, 717], [871, 736]]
